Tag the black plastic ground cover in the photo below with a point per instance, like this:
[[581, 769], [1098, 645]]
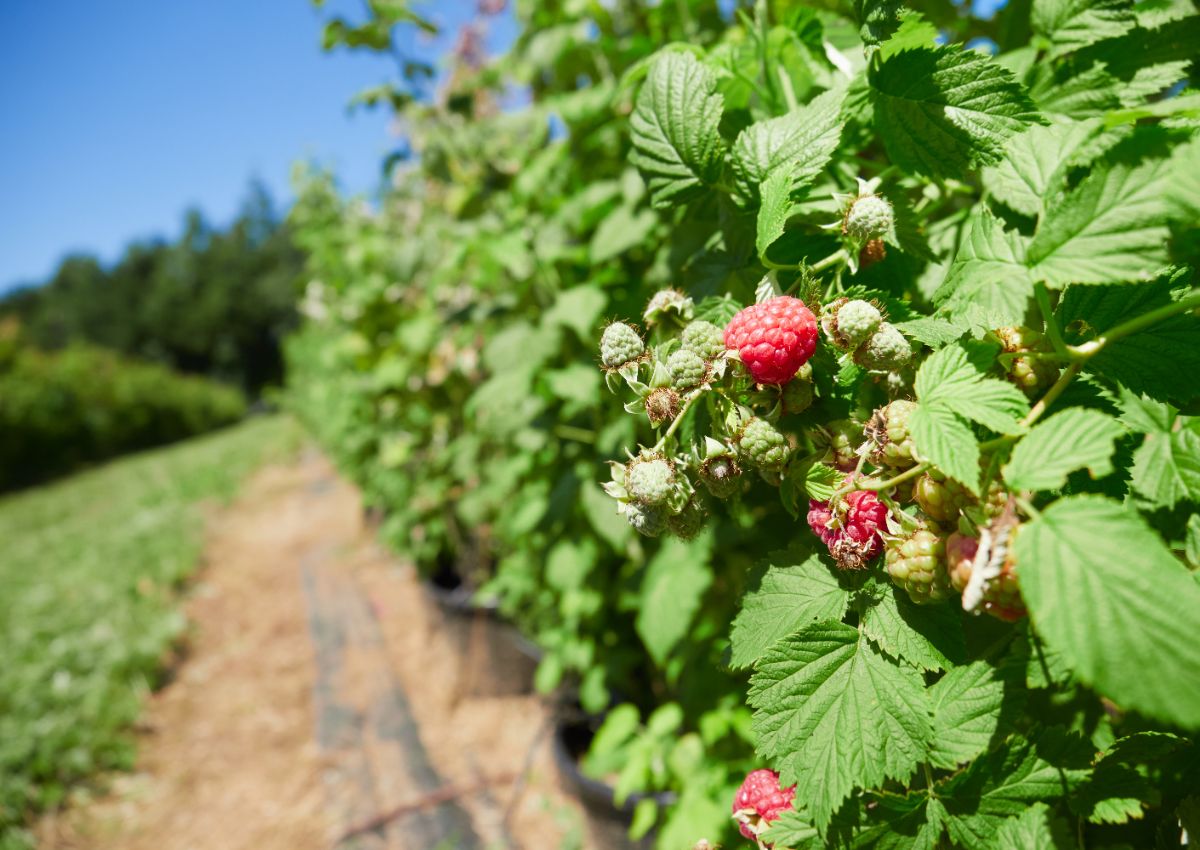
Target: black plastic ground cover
[[368, 737]]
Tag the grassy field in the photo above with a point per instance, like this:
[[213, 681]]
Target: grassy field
[[90, 569]]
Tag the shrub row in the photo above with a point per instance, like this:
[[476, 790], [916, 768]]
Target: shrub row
[[61, 410]]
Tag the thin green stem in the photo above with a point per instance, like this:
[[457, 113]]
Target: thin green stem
[[1138, 323], [836, 258], [1026, 506], [1043, 301], [928, 777], [1053, 393], [873, 484]]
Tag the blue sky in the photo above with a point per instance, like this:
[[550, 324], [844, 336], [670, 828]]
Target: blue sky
[[118, 115]]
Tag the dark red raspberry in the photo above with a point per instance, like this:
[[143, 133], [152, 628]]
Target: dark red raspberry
[[759, 801], [851, 528], [774, 338]]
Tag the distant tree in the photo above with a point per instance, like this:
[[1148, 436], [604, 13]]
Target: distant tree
[[214, 302]]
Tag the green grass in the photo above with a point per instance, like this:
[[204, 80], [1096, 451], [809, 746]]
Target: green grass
[[90, 569]]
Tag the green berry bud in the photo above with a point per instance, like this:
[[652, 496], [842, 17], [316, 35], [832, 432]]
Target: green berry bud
[[620, 344], [687, 369], [888, 431], [649, 479], [668, 302], [689, 522], [886, 350], [868, 217], [704, 338], [849, 324], [917, 564], [649, 521], [763, 445]]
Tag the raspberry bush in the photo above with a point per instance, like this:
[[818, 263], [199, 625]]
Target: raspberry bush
[[817, 394]]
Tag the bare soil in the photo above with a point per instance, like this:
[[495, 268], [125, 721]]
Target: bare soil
[[228, 758]]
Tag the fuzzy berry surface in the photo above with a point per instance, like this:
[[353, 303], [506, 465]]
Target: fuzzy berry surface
[[763, 445], [760, 799], [649, 480], [687, 369], [940, 498], [868, 217], [851, 323], [774, 338], [850, 530], [886, 350], [888, 430], [704, 338], [620, 344], [647, 521], [916, 563]]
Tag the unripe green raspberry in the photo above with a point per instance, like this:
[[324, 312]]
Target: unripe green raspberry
[[690, 521], [849, 324], [841, 438], [650, 521], [1030, 374], [939, 497], [888, 431], [704, 338], [687, 369], [917, 564], [667, 302], [886, 350], [868, 217], [649, 479], [797, 395], [620, 344], [662, 405], [763, 445], [721, 475]]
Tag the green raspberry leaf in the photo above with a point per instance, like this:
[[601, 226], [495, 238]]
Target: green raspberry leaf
[[1035, 829], [929, 637], [952, 377], [1150, 361], [1166, 467], [988, 278], [1071, 24], [794, 831], [1034, 170], [676, 142], [997, 787], [794, 587], [943, 438], [1103, 590], [800, 142], [815, 686], [1112, 228], [672, 588], [974, 706], [776, 203], [942, 111], [1070, 440]]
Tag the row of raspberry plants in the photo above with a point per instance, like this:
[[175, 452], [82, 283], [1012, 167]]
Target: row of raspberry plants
[[903, 501]]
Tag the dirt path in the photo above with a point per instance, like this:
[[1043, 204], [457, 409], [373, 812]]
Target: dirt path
[[322, 688]]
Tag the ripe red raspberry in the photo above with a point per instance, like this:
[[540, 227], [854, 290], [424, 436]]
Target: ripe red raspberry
[[759, 801], [851, 528], [774, 338]]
